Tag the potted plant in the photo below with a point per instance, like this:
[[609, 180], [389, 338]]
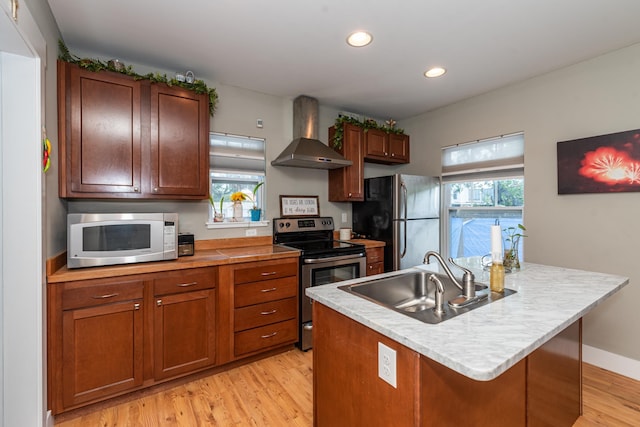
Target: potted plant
[[255, 210], [217, 215], [511, 259]]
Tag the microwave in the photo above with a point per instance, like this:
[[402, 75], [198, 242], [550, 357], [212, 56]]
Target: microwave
[[96, 239]]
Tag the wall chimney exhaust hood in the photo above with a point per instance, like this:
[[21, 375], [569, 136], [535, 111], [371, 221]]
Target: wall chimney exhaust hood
[[306, 151]]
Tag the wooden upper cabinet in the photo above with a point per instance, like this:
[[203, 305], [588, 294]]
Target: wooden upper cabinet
[[179, 142], [126, 138], [347, 184], [386, 148], [99, 133]]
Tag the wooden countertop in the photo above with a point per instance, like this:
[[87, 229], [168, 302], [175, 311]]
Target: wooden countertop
[[208, 253], [369, 243], [201, 258]]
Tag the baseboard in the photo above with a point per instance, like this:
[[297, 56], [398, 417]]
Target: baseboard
[[611, 362]]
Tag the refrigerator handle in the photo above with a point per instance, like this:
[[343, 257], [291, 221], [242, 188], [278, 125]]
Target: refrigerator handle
[[404, 219]]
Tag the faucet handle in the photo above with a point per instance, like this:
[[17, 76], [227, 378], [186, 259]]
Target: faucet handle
[[467, 280]]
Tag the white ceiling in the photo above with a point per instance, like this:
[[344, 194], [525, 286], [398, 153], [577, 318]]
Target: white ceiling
[[293, 47]]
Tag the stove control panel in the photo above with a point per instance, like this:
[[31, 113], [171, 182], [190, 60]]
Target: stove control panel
[[296, 225]]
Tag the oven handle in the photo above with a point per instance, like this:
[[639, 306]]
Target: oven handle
[[330, 259]]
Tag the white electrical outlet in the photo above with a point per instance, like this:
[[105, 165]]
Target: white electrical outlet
[[251, 232], [387, 364], [344, 217]]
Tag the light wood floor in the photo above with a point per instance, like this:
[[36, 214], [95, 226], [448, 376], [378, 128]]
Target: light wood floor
[[277, 391]]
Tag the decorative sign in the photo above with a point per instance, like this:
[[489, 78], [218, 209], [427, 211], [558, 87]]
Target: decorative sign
[[600, 164], [299, 206]]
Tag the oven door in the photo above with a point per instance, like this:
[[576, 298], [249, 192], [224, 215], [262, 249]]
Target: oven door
[[322, 271]]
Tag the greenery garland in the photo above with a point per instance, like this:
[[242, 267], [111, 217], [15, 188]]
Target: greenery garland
[[198, 86], [338, 136]]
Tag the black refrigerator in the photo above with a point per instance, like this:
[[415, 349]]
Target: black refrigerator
[[404, 212]]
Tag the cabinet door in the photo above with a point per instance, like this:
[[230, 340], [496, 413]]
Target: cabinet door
[[376, 144], [347, 184], [399, 148], [184, 332], [100, 138], [179, 143], [102, 350]]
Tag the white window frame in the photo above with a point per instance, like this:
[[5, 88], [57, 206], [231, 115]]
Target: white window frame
[[239, 157], [497, 158]]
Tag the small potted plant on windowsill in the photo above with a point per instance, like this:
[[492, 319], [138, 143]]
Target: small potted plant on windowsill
[[217, 215], [255, 210]]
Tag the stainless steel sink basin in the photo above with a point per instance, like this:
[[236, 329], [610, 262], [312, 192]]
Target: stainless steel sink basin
[[413, 294]]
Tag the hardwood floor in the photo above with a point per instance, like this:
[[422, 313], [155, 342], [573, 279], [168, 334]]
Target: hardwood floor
[[277, 391]]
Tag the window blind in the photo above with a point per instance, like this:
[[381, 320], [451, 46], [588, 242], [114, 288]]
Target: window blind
[[239, 154]]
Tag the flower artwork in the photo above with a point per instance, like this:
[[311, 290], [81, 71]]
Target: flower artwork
[[600, 164]]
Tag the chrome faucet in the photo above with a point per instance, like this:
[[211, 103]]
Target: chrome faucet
[[468, 287], [439, 299]]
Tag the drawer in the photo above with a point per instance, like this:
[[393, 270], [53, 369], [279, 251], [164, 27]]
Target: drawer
[[77, 295], [268, 270], [184, 280], [375, 268], [266, 290], [265, 337], [375, 255], [264, 314]]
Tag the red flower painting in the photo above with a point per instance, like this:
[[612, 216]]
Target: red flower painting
[[600, 164]]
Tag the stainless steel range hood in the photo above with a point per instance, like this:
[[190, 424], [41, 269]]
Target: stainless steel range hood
[[306, 151]]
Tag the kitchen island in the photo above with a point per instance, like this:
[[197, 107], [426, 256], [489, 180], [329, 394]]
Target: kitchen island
[[513, 362]]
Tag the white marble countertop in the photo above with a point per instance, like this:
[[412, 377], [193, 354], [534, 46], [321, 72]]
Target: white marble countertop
[[483, 343]]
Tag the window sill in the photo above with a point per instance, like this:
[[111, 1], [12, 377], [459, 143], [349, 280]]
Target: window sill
[[234, 224]]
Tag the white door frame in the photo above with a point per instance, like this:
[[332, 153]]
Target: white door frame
[[22, 287]]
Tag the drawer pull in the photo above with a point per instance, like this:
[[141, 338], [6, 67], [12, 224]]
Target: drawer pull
[[105, 296], [136, 306], [159, 302], [268, 290], [266, 313], [185, 285], [271, 273], [269, 335]]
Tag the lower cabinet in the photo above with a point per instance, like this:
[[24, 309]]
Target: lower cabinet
[[375, 261], [183, 323], [100, 331], [110, 336]]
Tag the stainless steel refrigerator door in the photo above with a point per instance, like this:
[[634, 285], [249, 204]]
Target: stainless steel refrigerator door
[[416, 197], [412, 240]]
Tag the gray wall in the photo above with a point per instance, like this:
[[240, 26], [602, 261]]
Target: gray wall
[[597, 232]]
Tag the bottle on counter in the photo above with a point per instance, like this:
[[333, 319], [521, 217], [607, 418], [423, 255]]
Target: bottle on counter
[[496, 273], [496, 279]]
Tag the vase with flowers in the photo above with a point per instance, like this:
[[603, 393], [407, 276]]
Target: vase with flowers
[[237, 198], [511, 258]]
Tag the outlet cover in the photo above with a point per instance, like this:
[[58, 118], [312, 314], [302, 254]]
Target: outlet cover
[[387, 364], [344, 217], [251, 232]]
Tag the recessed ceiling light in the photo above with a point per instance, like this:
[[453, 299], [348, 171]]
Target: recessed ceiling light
[[359, 39], [434, 72]]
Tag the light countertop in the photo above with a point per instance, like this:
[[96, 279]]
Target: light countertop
[[485, 342]]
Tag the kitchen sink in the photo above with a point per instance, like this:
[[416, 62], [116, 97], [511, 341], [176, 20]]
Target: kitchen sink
[[413, 294]]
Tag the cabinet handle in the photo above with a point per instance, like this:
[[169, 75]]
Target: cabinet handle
[[268, 290], [269, 335], [136, 306], [155, 189], [266, 313], [184, 285], [136, 189], [386, 154], [159, 302], [105, 296], [393, 154], [14, 10], [349, 194], [270, 273]]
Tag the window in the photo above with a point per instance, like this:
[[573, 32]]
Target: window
[[237, 163], [483, 185]]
